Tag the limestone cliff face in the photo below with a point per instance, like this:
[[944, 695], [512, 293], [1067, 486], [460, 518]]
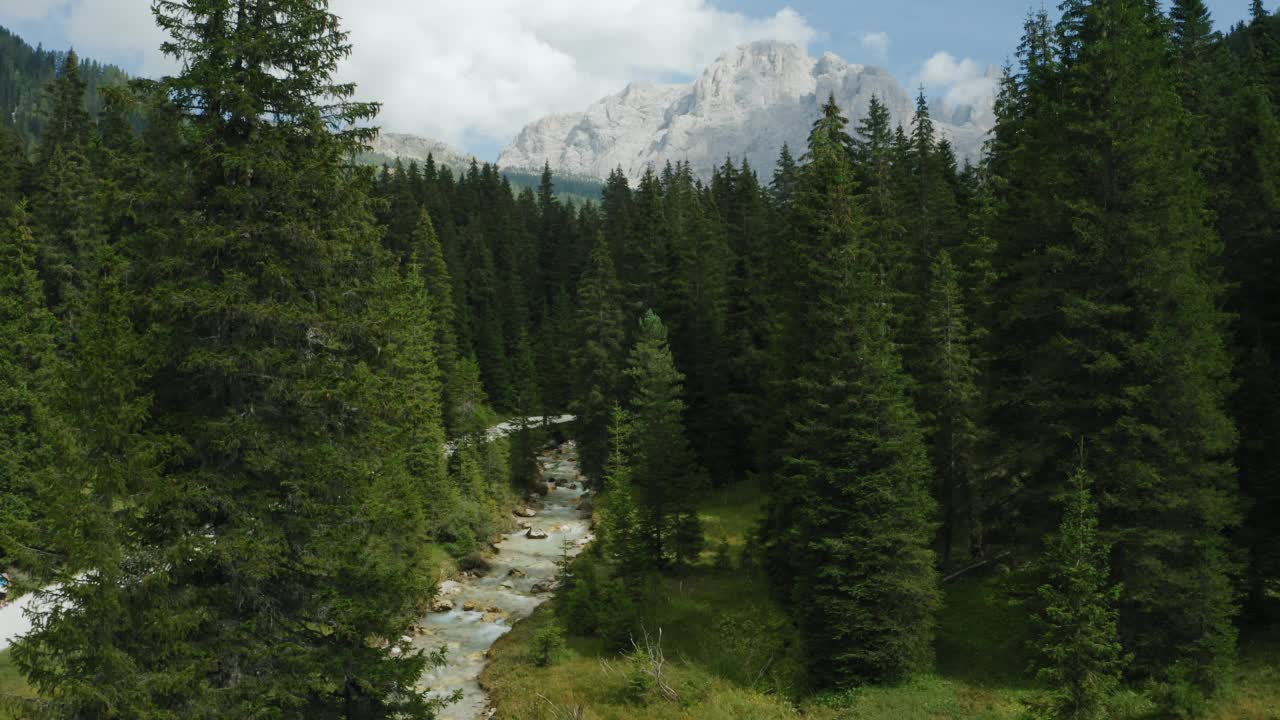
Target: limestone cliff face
[[746, 105], [413, 147]]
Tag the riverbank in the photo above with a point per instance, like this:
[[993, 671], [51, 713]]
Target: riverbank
[[475, 608]]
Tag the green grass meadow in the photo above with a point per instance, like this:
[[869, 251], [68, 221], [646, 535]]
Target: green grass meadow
[[731, 655]]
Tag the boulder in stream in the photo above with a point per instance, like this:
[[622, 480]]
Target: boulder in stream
[[441, 605], [525, 512], [536, 534], [516, 572], [471, 606]]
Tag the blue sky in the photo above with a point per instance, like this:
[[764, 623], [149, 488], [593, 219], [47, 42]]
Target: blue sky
[[473, 72], [985, 30]]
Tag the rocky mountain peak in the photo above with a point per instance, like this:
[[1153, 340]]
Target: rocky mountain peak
[[746, 104]]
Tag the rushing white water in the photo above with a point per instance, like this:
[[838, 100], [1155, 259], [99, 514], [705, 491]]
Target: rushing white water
[[506, 593]]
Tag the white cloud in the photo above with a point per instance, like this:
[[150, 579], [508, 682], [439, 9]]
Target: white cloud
[[121, 31], [876, 43], [958, 83], [453, 68], [962, 80]]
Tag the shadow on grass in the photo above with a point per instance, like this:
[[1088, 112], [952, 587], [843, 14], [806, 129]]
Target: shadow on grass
[[983, 633]]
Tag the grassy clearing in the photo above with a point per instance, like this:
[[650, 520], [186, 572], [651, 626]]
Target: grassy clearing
[[12, 684], [1256, 692], [731, 654]]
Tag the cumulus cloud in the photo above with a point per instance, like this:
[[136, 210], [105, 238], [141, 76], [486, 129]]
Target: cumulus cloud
[[959, 83], [876, 43], [453, 69], [117, 31]]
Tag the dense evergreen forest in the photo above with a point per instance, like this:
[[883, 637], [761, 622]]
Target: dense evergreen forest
[[25, 72], [232, 357]]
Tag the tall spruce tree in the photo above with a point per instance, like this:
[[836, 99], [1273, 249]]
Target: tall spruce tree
[[528, 437], [94, 657], [751, 319], [949, 397], [1240, 159], [597, 358], [666, 477], [1109, 327], [27, 377], [1078, 648], [700, 264], [13, 169], [224, 591], [624, 540], [66, 216], [851, 519]]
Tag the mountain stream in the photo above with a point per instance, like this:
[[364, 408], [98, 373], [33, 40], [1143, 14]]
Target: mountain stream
[[474, 610]]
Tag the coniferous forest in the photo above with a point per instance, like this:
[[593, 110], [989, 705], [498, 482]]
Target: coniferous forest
[[873, 425]]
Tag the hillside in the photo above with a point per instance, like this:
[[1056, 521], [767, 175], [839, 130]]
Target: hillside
[[25, 71], [388, 147]]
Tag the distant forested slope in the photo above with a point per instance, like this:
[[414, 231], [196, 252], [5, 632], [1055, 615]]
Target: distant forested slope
[[25, 71]]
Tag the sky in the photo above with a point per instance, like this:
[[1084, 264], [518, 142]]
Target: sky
[[473, 72]]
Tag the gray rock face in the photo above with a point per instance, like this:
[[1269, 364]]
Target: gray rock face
[[413, 147], [747, 104]]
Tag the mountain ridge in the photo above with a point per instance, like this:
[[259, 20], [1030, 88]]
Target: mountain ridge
[[745, 105]]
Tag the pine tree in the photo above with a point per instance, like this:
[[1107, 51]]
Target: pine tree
[[700, 267], [477, 468], [597, 358], [552, 271], [1109, 327], [949, 397], [227, 584], [1078, 647], [865, 591], [815, 222], [667, 479], [1238, 133], [528, 437], [439, 287], [67, 127], [784, 178], [850, 519], [93, 658], [751, 321], [624, 541], [930, 223], [619, 217], [643, 269], [556, 337], [410, 391], [13, 169], [484, 316], [27, 376], [67, 219]]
